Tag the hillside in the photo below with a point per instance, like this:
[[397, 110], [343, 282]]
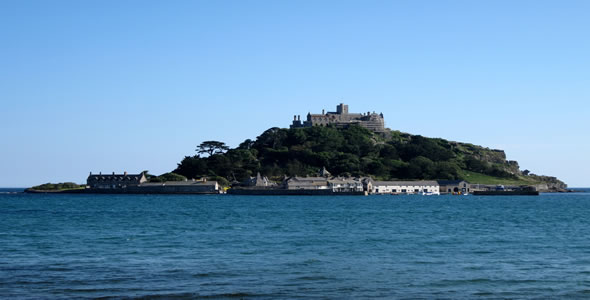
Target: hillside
[[356, 151]]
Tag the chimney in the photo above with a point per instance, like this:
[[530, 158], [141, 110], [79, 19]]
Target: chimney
[[90, 172], [99, 173], [113, 173], [124, 173], [298, 117], [323, 112], [294, 118]]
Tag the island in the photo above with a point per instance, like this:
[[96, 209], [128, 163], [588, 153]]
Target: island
[[335, 153]]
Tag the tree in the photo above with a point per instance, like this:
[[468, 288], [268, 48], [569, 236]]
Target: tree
[[212, 147], [247, 144], [192, 167]]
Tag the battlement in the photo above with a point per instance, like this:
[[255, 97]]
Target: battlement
[[342, 118]]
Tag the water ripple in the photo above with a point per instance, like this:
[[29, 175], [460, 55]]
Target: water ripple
[[192, 247]]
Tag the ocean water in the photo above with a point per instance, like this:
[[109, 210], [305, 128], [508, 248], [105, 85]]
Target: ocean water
[[251, 247]]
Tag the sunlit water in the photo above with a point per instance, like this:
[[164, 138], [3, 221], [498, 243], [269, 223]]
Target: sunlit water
[[183, 246]]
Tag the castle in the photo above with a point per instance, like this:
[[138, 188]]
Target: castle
[[341, 118]]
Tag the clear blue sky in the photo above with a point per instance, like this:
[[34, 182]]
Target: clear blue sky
[[135, 85]]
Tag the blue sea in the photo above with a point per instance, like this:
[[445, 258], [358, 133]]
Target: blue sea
[[252, 247]]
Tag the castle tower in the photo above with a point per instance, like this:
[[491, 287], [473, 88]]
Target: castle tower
[[342, 109]]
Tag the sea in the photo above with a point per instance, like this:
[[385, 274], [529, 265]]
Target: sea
[[57, 246]]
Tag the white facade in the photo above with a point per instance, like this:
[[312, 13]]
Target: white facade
[[406, 187], [346, 185]]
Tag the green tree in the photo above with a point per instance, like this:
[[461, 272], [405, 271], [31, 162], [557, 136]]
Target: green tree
[[446, 170], [168, 177], [212, 147], [192, 167], [246, 145]]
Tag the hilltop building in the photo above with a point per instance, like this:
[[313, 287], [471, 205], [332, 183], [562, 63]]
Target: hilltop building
[[342, 118]]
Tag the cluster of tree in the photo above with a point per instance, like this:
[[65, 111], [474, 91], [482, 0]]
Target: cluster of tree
[[170, 176], [58, 186], [352, 151]]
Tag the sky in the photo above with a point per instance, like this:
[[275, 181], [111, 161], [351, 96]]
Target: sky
[[114, 86]]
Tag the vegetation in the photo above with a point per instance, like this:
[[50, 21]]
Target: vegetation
[[212, 147], [491, 180], [165, 177], [58, 186], [352, 151]]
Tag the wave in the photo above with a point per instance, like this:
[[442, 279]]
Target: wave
[[238, 295]]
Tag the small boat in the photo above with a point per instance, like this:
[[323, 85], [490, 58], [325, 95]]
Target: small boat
[[429, 193]]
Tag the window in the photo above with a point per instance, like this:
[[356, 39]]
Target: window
[[403, 190]]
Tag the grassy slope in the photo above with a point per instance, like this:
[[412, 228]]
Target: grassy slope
[[473, 177]]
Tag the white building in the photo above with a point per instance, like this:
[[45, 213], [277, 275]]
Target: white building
[[406, 187], [339, 184]]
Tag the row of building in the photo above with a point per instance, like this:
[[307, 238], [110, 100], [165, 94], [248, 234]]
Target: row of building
[[323, 184], [336, 184], [138, 184]]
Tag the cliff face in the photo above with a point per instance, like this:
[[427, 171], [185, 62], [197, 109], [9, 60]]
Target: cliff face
[[488, 156], [548, 183]]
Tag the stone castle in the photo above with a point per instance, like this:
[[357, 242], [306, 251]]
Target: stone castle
[[341, 118]]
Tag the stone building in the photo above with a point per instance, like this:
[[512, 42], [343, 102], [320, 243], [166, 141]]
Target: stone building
[[325, 181], [258, 181], [138, 184], [342, 118], [114, 181], [454, 186]]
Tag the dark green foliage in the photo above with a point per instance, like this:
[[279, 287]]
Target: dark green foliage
[[220, 180], [212, 147], [58, 186], [433, 149], [192, 167], [447, 170], [343, 151], [167, 177]]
